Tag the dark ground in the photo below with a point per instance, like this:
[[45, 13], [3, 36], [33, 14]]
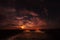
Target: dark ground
[[52, 34]]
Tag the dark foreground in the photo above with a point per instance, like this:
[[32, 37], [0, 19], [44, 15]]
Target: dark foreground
[[20, 35]]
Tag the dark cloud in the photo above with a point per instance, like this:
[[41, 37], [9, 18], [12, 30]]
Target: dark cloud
[[50, 14]]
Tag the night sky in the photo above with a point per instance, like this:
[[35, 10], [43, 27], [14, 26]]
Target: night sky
[[53, 7], [48, 10]]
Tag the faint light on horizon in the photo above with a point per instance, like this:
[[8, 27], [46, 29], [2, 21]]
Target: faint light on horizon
[[22, 27]]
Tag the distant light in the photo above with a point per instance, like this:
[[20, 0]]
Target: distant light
[[27, 31], [22, 27]]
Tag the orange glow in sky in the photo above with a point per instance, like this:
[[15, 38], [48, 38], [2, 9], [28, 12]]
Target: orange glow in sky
[[22, 27]]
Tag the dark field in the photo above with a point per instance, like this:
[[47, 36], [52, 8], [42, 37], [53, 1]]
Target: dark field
[[52, 34]]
